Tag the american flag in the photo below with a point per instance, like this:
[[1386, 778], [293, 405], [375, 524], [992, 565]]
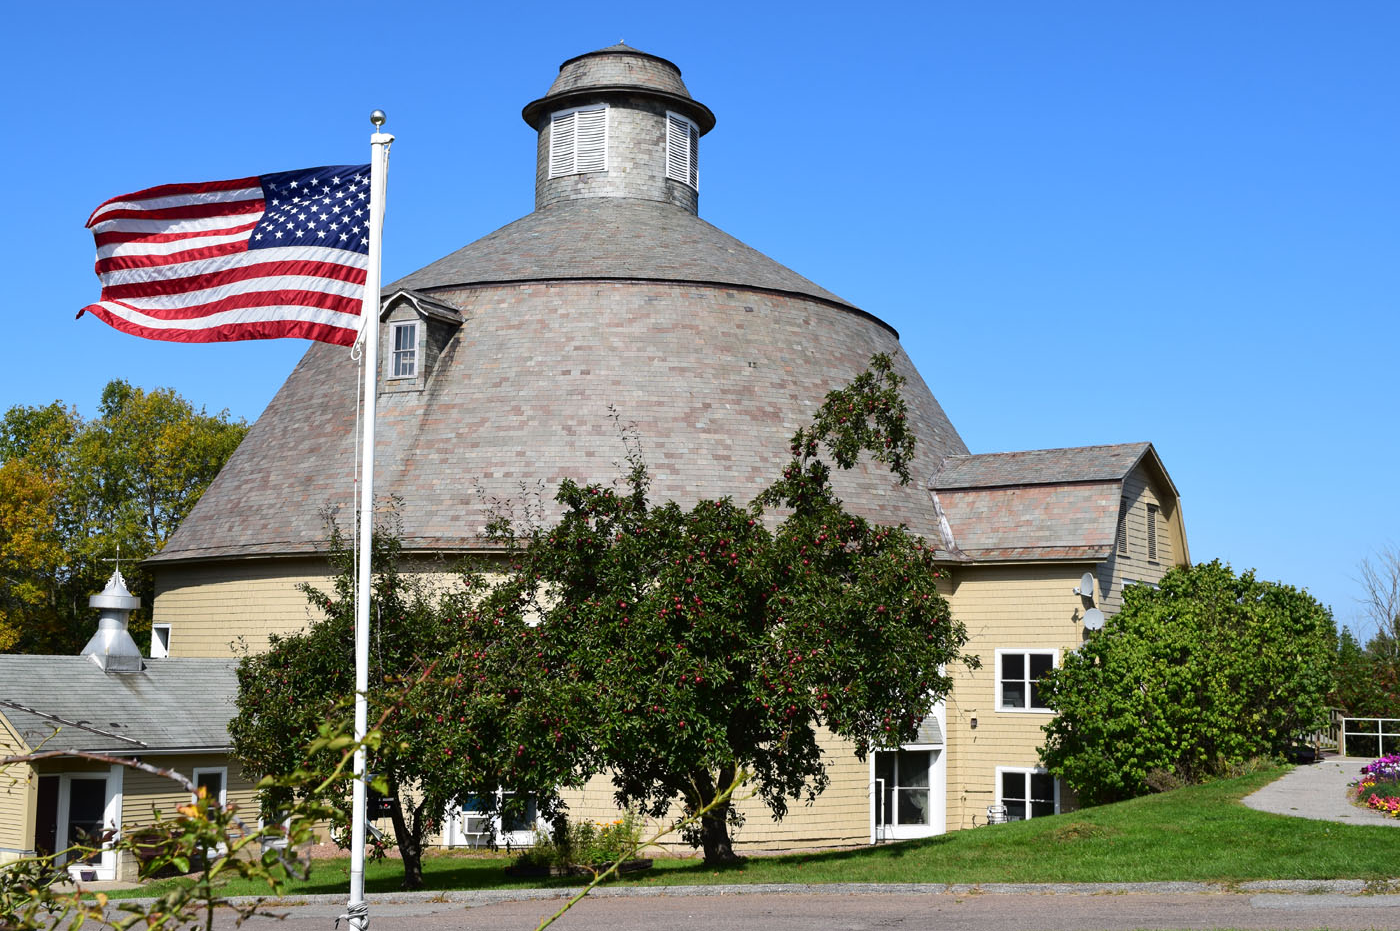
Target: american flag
[[282, 254]]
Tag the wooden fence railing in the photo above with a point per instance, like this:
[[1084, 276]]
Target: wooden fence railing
[[1370, 737]]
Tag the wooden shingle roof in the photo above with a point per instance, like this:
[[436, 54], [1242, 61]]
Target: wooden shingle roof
[[611, 239], [1038, 504]]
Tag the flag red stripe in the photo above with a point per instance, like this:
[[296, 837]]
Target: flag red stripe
[[269, 329], [121, 262], [339, 303], [114, 238], [171, 190], [188, 211], [263, 270]]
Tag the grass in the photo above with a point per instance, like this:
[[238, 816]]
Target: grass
[[1198, 833]]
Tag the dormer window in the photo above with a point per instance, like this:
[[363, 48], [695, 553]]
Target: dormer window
[[578, 141], [404, 361], [682, 150]]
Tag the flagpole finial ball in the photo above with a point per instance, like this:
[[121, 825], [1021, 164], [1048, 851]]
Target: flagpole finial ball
[[377, 117]]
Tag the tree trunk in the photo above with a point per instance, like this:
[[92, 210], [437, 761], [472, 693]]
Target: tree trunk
[[408, 840], [714, 824], [714, 837]]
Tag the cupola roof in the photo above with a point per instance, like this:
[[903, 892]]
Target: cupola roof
[[618, 70]]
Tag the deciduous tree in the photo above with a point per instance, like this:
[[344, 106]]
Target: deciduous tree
[[675, 647], [75, 493], [442, 731]]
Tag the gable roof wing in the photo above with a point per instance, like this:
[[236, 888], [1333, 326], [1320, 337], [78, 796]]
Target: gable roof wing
[[1040, 466], [1039, 504], [67, 703]]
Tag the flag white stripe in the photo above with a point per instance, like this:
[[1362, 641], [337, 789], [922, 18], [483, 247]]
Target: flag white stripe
[[250, 286], [141, 247], [182, 200], [221, 263], [177, 226], [233, 317]]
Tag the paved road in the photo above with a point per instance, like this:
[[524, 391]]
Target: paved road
[[859, 912]]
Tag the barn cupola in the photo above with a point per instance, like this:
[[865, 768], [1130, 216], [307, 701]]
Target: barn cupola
[[112, 647], [618, 123]]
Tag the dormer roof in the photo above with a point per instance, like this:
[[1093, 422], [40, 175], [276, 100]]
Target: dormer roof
[[426, 307]]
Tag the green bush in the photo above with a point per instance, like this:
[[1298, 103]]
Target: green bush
[[1188, 681], [584, 843]]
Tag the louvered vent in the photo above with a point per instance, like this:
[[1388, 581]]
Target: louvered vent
[[578, 141], [1152, 533], [682, 150], [1123, 527]]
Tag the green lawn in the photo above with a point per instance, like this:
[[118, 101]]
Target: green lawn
[[1200, 833]]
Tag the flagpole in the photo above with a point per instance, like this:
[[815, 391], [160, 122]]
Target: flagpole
[[358, 910]]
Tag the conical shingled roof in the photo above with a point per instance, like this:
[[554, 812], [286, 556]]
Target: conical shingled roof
[[617, 238], [714, 352]]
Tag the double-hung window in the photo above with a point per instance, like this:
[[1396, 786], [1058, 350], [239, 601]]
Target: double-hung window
[[1018, 678], [578, 141], [1027, 793], [403, 362]]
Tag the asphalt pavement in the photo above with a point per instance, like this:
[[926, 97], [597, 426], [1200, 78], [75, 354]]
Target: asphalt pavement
[[1318, 791]]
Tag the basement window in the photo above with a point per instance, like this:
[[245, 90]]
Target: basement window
[[578, 141], [682, 150], [1027, 793]]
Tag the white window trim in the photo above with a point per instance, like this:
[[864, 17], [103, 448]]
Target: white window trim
[[1025, 771], [692, 153], [160, 648], [459, 825], [1054, 655], [938, 787], [573, 167], [223, 780], [394, 353], [198, 771], [106, 864]]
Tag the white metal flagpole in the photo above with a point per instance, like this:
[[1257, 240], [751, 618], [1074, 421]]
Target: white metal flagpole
[[358, 910]]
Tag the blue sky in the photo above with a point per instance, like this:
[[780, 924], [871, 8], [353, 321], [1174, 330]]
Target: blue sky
[[1090, 222]]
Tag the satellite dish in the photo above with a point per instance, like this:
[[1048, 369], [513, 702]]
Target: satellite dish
[[1093, 619], [1086, 586]]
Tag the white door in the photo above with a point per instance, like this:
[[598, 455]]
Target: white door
[[907, 793]]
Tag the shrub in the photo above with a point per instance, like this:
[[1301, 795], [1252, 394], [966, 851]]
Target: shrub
[[1188, 682], [584, 843]]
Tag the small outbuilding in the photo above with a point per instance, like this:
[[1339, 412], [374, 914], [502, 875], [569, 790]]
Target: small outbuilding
[[110, 701]]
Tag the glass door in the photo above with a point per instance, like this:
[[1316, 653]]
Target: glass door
[[903, 796]]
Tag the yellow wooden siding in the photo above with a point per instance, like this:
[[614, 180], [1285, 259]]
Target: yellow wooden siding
[[18, 790], [223, 609], [839, 816], [144, 794], [228, 608], [1007, 608], [1141, 490]]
